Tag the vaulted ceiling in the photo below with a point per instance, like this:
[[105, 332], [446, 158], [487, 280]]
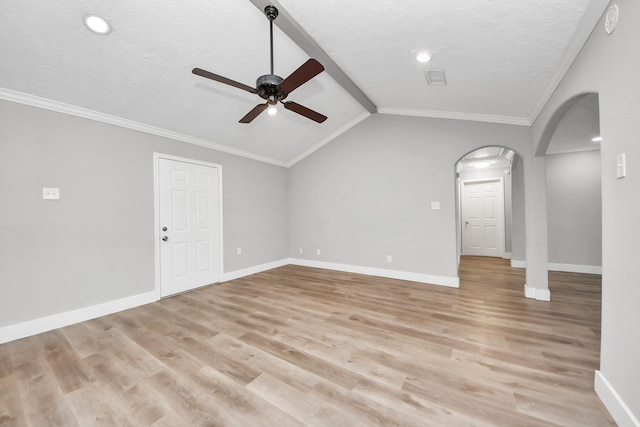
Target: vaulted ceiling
[[501, 61]]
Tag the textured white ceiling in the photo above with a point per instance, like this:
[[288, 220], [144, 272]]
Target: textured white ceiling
[[499, 58]]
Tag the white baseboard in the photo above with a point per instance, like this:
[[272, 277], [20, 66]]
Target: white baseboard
[[452, 282], [518, 263], [614, 403], [255, 269], [567, 268], [44, 324], [537, 294], [507, 255], [575, 268]]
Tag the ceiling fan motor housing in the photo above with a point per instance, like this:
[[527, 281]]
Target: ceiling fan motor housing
[[268, 87]]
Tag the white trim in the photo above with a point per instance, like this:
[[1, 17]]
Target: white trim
[[518, 263], [507, 255], [507, 120], [44, 324], [614, 403], [536, 293], [60, 107], [588, 23], [575, 268], [156, 211], [237, 274], [452, 282], [329, 138], [567, 268]]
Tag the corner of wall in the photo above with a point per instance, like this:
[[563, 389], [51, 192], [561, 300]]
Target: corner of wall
[[614, 403]]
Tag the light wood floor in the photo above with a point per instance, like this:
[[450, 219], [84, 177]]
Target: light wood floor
[[301, 346]]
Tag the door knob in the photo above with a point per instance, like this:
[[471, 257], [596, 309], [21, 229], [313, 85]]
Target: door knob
[[165, 238]]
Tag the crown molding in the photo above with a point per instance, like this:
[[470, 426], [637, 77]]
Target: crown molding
[[588, 23], [329, 138], [505, 120], [60, 107]]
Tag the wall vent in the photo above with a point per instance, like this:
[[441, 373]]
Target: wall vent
[[435, 77]]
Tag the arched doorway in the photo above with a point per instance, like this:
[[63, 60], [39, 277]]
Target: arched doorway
[[485, 200], [574, 197]]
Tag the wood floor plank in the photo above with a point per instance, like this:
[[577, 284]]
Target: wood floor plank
[[298, 404], [265, 362], [11, 410], [299, 346]]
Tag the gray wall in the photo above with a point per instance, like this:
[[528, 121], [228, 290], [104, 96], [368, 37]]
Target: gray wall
[[368, 193], [517, 211], [610, 66], [574, 208], [97, 243]]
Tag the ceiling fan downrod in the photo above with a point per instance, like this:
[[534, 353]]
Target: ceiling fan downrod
[[272, 14]]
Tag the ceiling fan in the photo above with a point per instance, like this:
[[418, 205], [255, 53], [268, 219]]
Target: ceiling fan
[[274, 88]]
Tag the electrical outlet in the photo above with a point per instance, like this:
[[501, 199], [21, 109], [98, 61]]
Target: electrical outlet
[[300, 250], [50, 193], [389, 258], [238, 251], [317, 251]]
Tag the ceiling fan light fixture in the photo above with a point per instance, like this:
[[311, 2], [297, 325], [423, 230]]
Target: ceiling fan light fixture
[[96, 24], [423, 57], [272, 111]]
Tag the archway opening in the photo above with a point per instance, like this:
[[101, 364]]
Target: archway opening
[[490, 204], [574, 197]]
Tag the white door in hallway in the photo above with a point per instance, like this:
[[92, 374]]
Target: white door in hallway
[[482, 214], [190, 225]]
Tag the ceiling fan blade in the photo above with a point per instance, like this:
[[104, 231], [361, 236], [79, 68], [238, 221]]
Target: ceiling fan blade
[[304, 111], [209, 75], [248, 118], [303, 74]]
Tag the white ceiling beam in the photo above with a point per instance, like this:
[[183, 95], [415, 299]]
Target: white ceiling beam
[[295, 32]]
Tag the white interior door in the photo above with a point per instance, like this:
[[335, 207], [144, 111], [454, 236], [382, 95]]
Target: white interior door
[[189, 218], [483, 218]]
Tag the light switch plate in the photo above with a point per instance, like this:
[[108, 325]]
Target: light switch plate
[[435, 205], [621, 165], [50, 193]]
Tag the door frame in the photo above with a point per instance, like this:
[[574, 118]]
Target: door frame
[[503, 222], [156, 211]]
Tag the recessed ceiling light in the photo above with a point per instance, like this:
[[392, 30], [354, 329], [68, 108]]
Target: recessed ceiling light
[[596, 139], [97, 24], [272, 111], [480, 165], [423, 57]]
